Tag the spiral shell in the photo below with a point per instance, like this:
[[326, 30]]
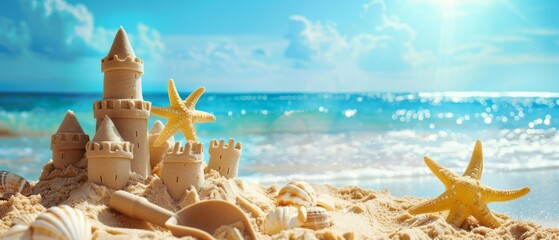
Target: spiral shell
[[283, 218], [11, 183], [317, 218], [297, 193], [61, 222]]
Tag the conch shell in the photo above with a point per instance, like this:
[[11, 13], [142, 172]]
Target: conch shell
[[297, 193], [283, 218], [317, 218], [11, 183], [61, 222]]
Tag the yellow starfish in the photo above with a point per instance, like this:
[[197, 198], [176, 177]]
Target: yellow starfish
[[465, 195], [181, 115]]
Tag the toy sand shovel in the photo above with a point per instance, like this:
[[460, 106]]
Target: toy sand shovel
[[198, 220]]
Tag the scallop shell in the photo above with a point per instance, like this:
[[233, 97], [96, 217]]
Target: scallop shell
[[61, 222], [18, 231], [297, 193], [317, 218], [11, 183], [283, 218], [25, 219]]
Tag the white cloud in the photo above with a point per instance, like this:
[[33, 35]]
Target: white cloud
[[388, 45], [62, 30], [14, 37]]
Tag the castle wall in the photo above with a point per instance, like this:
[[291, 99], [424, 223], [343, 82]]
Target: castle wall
[[65, 157], [130, 118], [174, 177], [114, 177], [122, 84]]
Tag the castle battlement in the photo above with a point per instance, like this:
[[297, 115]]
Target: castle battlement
[[230, 150], [122, 108], [191, 152], [61, 141], [109, 149], [128, 62]]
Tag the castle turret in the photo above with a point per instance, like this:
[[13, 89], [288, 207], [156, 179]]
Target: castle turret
[[108, 157], [183, 167], [225, 158], [68, 143], [123, 101], [156, 153]]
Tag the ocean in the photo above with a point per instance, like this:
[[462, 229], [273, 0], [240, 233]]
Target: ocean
[[372, 140]]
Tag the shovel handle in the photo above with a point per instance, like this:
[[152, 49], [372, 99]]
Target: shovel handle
[[139, 207]]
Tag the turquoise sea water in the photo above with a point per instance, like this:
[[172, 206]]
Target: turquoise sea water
[[373, 140]]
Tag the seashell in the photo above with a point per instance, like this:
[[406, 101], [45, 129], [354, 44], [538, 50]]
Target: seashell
[[297, 193], [25, 219], [17, 232], [317, 218], [61, 222], [325, 201], [283, 218], [11, 183]]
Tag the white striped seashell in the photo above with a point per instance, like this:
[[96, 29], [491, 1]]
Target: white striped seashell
[[317, 218], [283, 218], [61, 222], [11, 183], [297, 193], [18, 231], [25, 219]]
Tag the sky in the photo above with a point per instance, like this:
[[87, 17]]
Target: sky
[[286, 45]]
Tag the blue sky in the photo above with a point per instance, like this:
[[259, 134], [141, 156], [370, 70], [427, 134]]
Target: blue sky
[[286, 45]]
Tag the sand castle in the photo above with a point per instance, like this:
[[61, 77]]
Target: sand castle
[[68, 143], [229, 207], [183, 167], [109, 156], [225, 158]]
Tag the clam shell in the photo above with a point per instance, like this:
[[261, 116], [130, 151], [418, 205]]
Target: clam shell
[[11, 183], [317, 218], [18, 231], [283, 218], [61, 222], [25, 219], [297, 193]]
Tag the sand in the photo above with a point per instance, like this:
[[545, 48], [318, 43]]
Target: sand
[[359, 213]]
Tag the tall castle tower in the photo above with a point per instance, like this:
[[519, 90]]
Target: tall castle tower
[[108, 157], [183, 167], [122, 99], [224, 158], [68, 143]]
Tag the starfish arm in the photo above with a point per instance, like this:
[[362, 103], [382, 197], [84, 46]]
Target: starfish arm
[[485, 217], [446, 176], [495, 195], [193, 98], [440, 203], [170, 128], [189, 131], [162, 112], [201, 117], [476, 163], [174, 97], [456, 216]]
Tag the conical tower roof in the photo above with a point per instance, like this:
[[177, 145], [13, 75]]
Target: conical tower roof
[[70, 124], [157, 127], [121, 46], [107, 132]]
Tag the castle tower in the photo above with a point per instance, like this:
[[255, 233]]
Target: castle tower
[[108, 157], [156, 153], [183, 167], [68, 143], [225, 158], [122, 99]]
